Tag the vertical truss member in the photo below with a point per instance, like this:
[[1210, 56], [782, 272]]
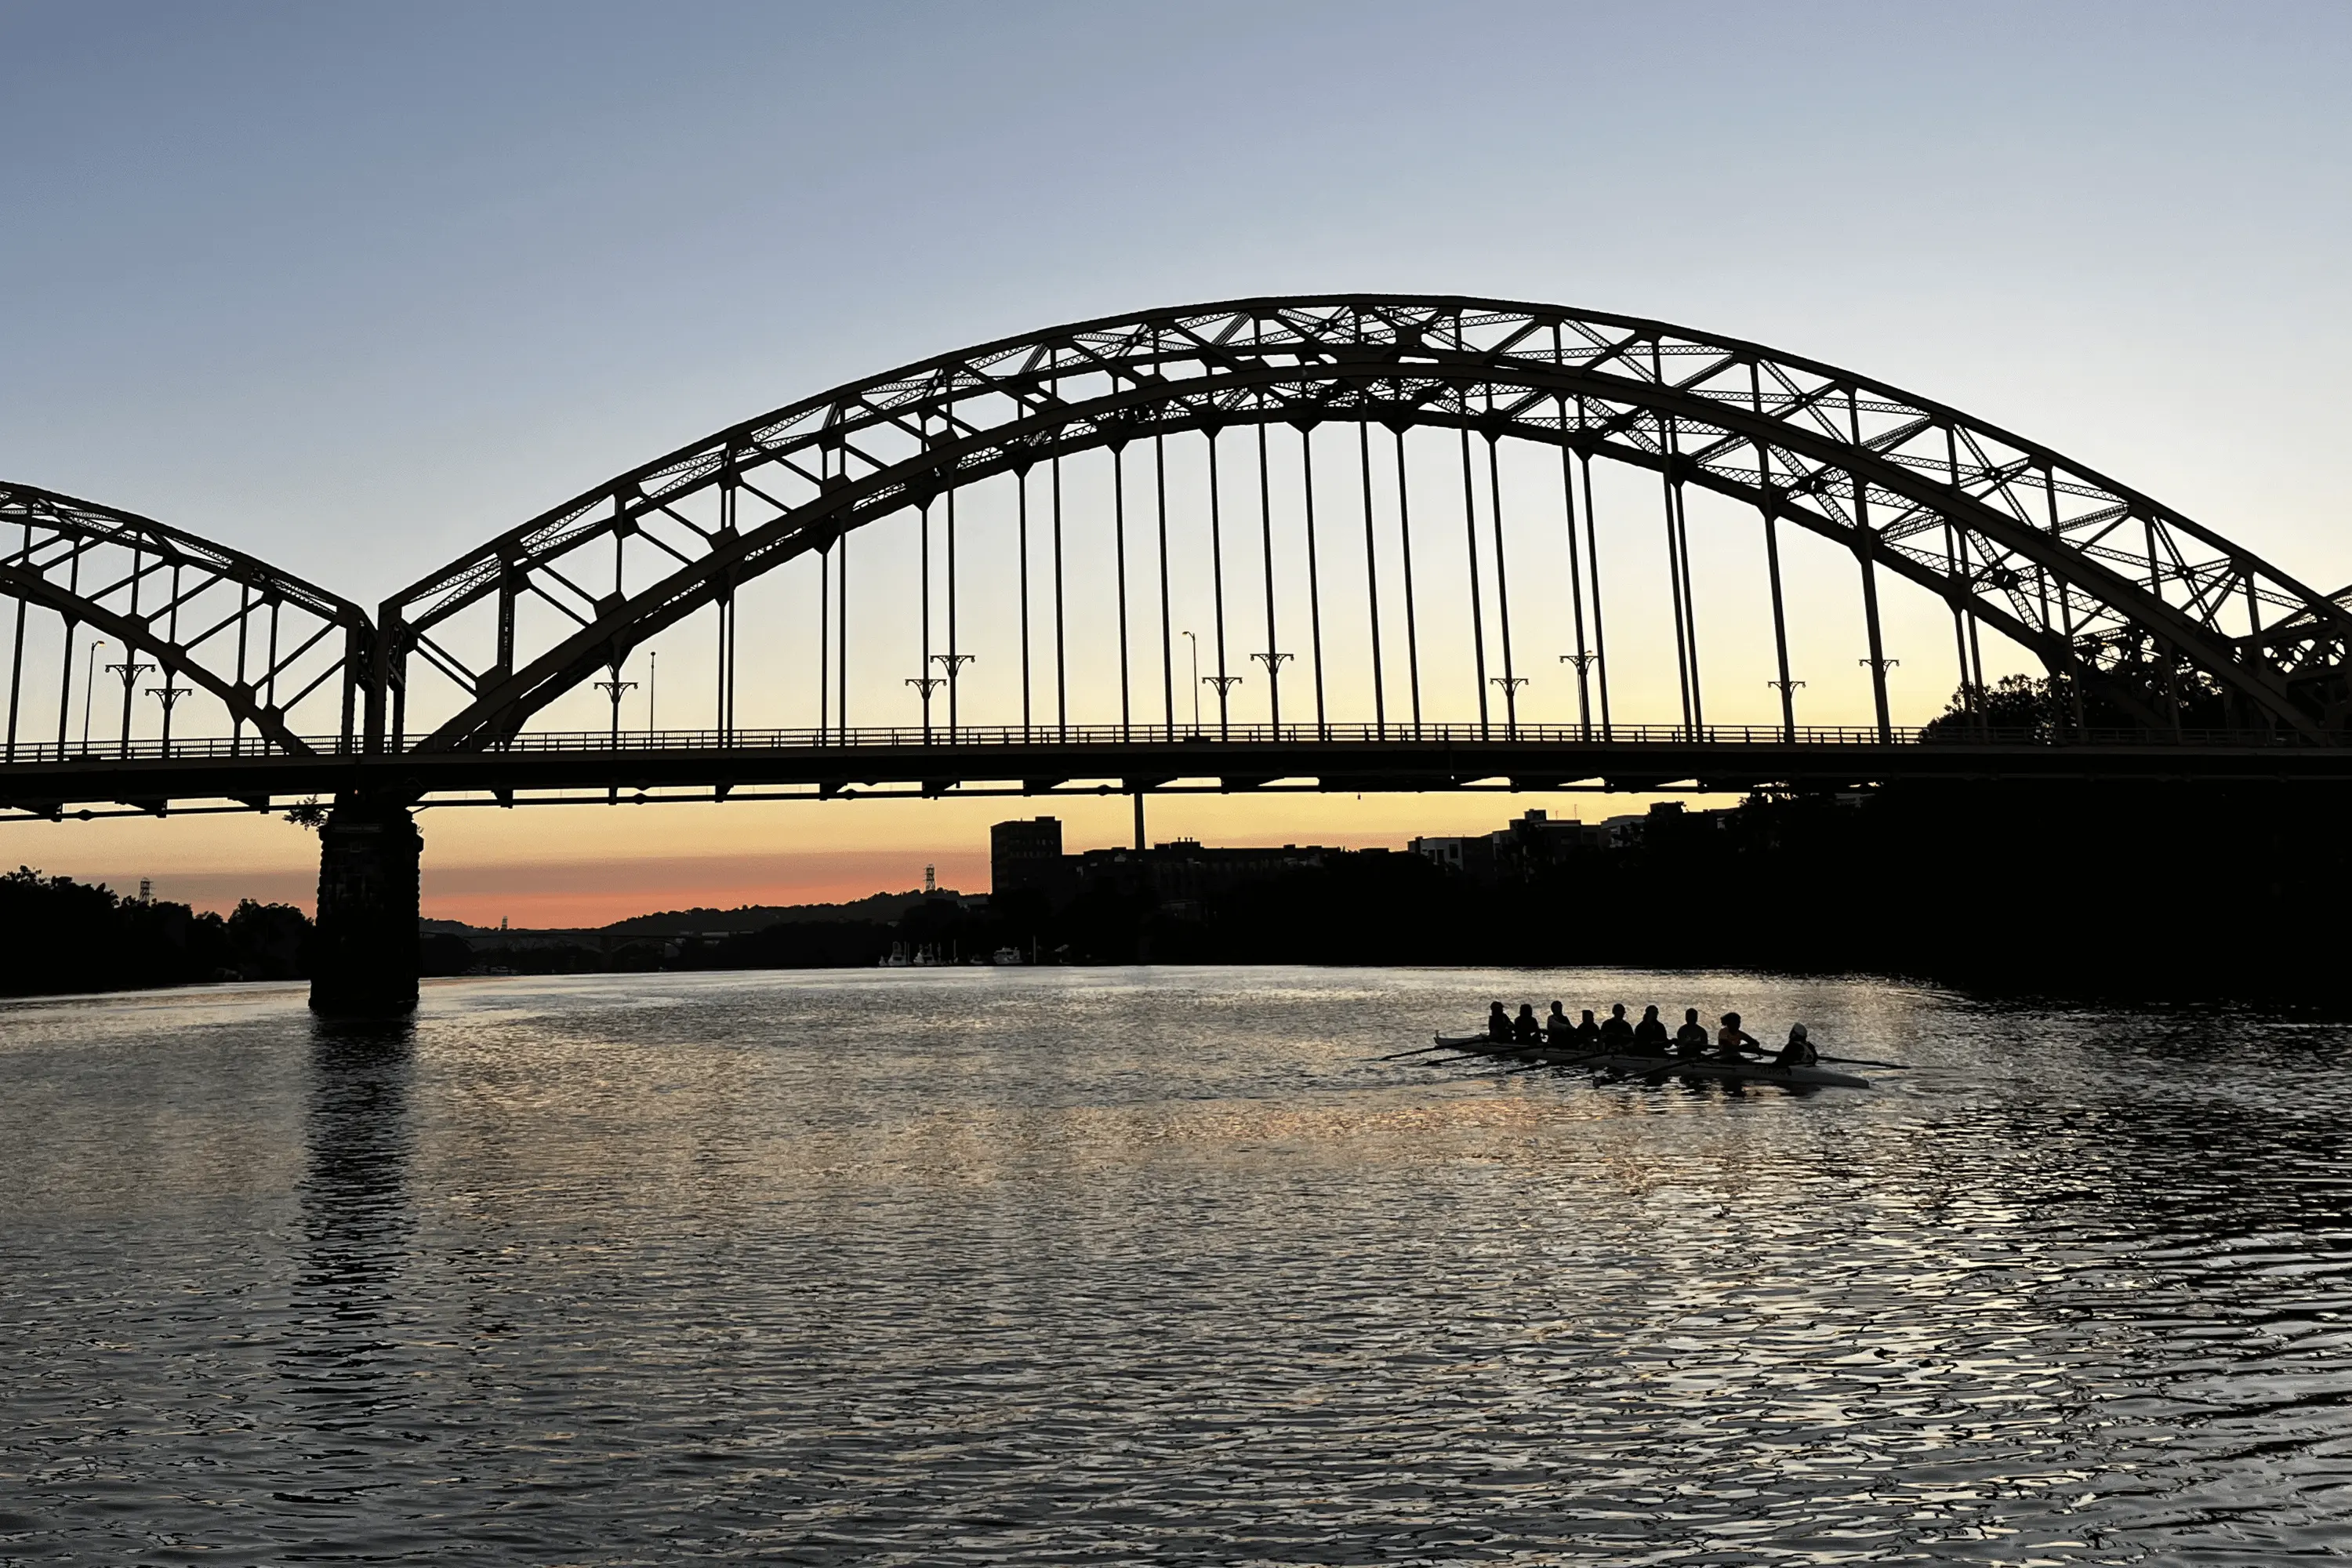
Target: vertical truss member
[[1273, 656]]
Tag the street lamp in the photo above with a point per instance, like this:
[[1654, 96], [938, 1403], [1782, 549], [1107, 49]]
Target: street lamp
[[88, 678], [1196, 680], [131, 670], [612, 688], [169, 694]]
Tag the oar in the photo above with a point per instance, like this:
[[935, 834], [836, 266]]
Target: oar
[[1523, 1067], [1570, 1062], [1416, 1051], [1767, 1062]]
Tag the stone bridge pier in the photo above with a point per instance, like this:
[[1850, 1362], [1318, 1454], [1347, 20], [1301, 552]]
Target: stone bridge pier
[[364, 960]]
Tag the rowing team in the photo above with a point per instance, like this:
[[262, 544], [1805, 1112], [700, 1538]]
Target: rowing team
[[1615, 1036]]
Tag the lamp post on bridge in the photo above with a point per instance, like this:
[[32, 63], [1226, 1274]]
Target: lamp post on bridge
[[953, 663], [1511, 685], [1195, 641], [1787, 690], [1224, 685], [1583, 691], [168, 694], [612, 688], [88, 681], [926, 685], [1878, 669], [1273, 662], [131, 670]]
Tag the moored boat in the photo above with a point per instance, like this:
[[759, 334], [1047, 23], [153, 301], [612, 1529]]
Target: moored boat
[[1628, 1064]]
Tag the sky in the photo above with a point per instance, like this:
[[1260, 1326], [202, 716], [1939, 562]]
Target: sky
[[355, 288]]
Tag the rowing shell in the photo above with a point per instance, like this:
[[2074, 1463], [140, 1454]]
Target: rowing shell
[[1644, 1066]]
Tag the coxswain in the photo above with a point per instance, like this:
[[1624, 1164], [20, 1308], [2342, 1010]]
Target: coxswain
[[1557, 1028], [1731, 1040], [1498, 1024], [1525, 1030], [1799, 1052], [1690, 1040], [1616, 1034], [1650, 1034]]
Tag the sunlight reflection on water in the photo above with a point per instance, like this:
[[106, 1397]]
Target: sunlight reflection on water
[[1127, 1266]]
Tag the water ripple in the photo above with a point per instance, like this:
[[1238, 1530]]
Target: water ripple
[[1158, 1266]]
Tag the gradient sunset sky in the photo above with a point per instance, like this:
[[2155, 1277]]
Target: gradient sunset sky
[[353, 288]]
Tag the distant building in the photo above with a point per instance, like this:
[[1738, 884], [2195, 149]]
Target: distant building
[[1178, 875], [1026, 857], [1622, 832], [1533, 843], [1537, 843]]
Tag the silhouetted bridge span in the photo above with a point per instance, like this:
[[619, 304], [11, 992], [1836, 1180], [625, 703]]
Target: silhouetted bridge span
[[1348, 543], [682, 766]]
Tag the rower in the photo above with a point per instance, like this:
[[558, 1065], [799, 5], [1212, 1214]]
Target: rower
[[1616, 1034], [1799, 1052], [1557, 1028], [1650, 1034], [1498, 1023], [1690, 1040], [1731, 1040], [1524, 1028], [1588, 1033]]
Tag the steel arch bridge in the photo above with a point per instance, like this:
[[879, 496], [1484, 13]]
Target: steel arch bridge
[[2099, 582], [208, 619], [1381, 511]]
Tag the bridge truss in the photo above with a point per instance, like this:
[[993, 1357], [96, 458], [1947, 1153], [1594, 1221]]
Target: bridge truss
[[1349, 481], [2148, 612], [106, 602]]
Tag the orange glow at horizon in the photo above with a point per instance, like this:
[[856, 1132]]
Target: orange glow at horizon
[[592, 865]]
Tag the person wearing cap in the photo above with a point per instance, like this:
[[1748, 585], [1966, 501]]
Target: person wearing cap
[[1799, 1052]]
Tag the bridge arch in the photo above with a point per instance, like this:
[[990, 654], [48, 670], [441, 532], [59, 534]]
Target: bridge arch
[[206, 618], [2098, 580]]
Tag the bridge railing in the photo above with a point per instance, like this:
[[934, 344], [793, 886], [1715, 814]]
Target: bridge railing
[[1306, 733], [1310, 733], [187, 748]]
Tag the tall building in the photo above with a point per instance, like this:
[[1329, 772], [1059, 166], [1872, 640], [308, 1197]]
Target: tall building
[[1026, 857]]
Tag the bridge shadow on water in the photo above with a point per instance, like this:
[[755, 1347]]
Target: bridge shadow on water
[[357, 1227], [354, 1189]]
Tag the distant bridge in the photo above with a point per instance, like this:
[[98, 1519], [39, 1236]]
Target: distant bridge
[[1341, 543]]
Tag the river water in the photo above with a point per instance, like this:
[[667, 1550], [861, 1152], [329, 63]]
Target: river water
[[1157, 1265]]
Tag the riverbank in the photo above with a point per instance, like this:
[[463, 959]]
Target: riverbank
[[2144, 895]]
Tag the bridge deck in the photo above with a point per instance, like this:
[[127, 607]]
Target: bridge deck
[[995, 761]]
